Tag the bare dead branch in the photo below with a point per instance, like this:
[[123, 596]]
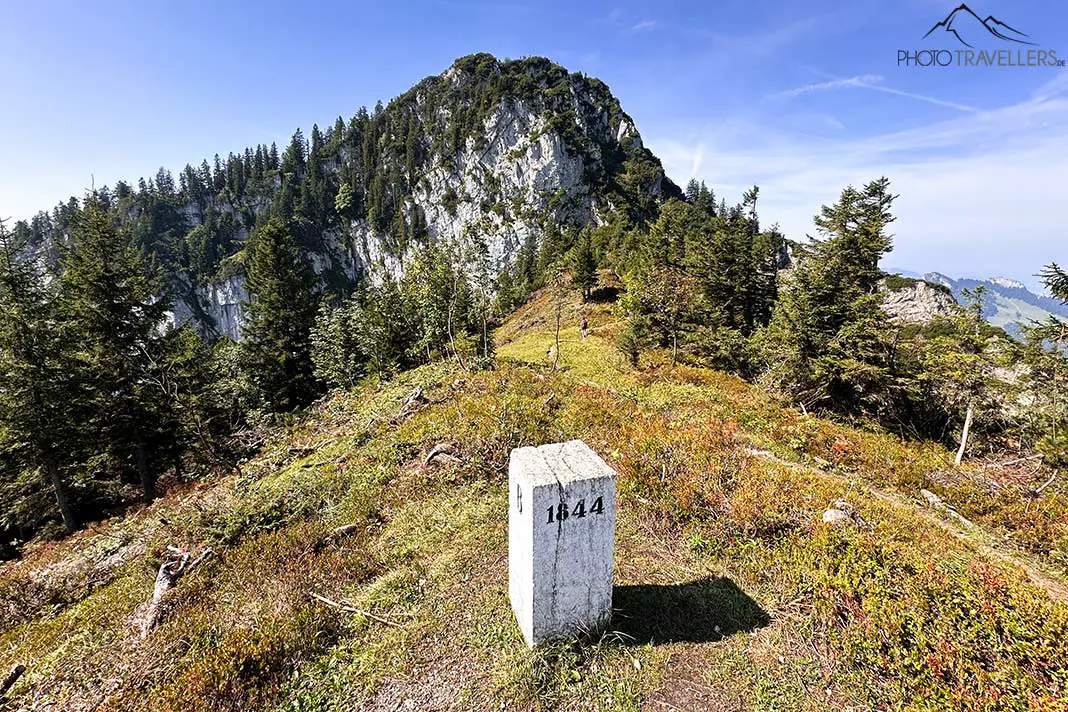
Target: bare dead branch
[[1048, 483], [443, 453], [352, 609], [1013, 462], [170, 573]]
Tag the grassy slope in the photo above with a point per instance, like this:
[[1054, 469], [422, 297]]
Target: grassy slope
[[730, 592]]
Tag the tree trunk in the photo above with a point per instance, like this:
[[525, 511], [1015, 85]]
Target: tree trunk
[[452, 343], [148, 480], [556, 351], [66, 511], [964, 436], [674, 348]]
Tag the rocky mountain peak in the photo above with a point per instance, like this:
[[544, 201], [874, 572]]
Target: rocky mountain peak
[[478, 159]]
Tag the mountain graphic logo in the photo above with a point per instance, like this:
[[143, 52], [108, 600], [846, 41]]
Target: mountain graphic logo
[[964, 23]]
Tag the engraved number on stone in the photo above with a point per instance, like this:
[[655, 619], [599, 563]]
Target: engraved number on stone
[[561, 512]]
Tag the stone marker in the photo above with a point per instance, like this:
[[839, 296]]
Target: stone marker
[[561, 538]]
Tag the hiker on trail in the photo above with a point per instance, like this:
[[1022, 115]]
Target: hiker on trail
[[583, 326]]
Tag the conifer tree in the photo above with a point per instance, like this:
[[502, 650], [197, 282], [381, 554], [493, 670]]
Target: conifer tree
[[526, 267], [958, 365], [583, 265], [670, 297], [38, 395], [552, 248], [828, 341], [110, 299], [278, 319], [1056, 281], [693, 189], [1046, 376]]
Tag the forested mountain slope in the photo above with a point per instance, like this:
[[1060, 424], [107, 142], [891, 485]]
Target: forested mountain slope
[[1006, 303], [481, 158]]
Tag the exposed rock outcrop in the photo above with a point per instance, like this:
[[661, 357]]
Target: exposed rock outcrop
[[914, 301]]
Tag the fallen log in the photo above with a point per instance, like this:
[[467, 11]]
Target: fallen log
[[339, 533], [443, 454], [413, 403]]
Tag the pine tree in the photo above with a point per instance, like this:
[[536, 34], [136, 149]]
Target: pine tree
[[670, 296], [1056, 281], [109, 297], [1045, 379], [957, 365], [693, 188], [666, 243], [278, 319], [526, 267], [552, 249], [335, 347]]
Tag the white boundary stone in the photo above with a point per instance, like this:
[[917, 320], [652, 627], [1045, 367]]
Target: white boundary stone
[[561, 540]]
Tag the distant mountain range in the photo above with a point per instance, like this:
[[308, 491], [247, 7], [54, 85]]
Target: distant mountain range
[[965, 25], [1007, 303]]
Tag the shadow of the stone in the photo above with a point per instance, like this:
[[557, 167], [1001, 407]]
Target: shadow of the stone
[[700, 611]]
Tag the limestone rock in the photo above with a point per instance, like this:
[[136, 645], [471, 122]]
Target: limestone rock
[[534, 162], [916, 301]]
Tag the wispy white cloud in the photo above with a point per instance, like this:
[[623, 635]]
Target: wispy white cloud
[[643, 26], [872, 82], [980, 193], [858, 81]]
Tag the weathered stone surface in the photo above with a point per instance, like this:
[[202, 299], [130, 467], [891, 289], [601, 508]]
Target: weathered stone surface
[[919, 303], [561, 540]]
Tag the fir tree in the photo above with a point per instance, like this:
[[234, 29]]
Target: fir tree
[[829, 341], [110, 298], [583, 265], [1056, 281], [38, 395], [279, 318]]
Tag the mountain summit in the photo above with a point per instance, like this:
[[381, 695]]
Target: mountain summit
[[963, 23], [481, 158]]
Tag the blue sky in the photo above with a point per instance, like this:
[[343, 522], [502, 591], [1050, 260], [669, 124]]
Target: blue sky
[[799, 98]]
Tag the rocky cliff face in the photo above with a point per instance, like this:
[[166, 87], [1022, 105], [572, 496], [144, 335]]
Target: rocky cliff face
[[504, 191], [914, 301]]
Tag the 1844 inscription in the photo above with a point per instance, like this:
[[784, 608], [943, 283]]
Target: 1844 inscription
[[562, 511]]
